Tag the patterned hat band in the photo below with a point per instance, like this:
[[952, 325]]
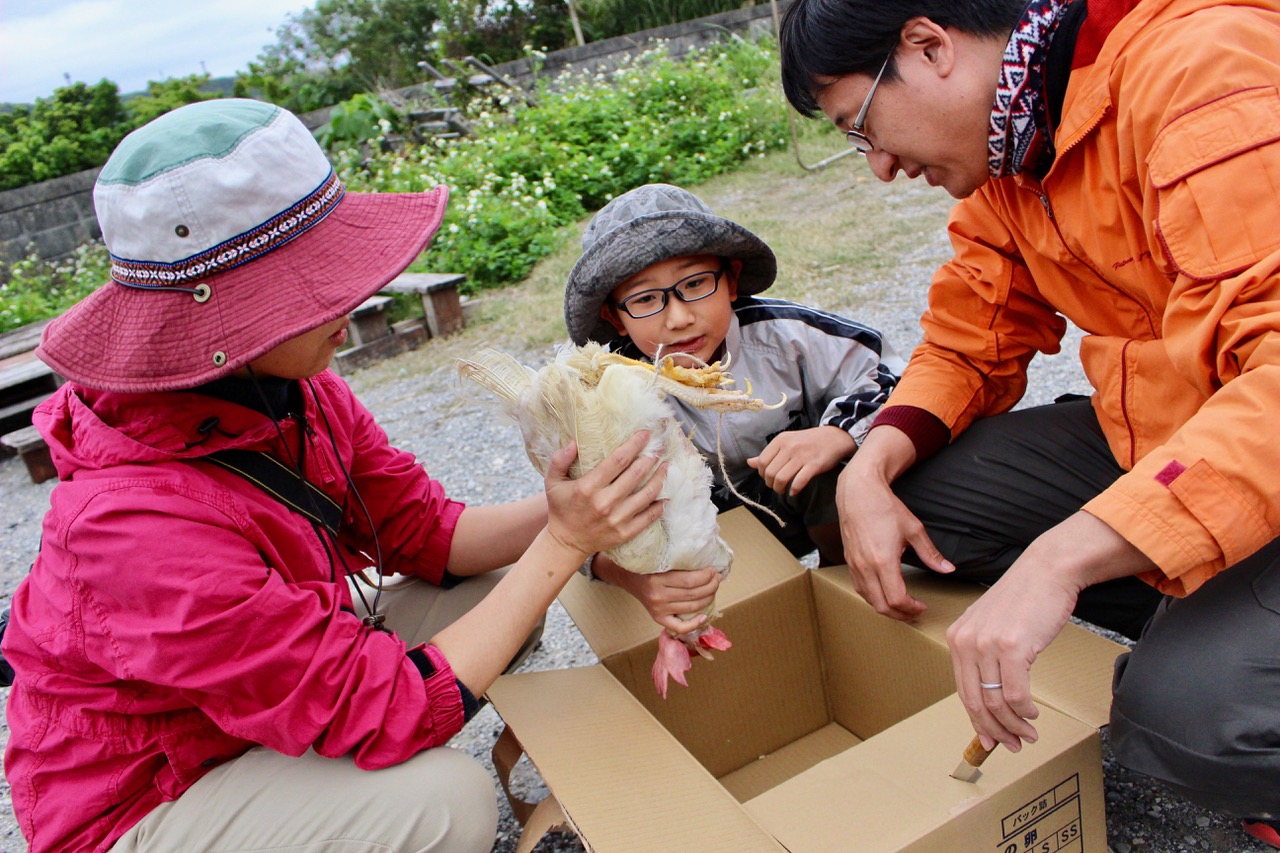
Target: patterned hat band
[[270, 235]]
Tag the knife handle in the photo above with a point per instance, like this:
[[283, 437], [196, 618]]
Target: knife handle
[[975, 753]]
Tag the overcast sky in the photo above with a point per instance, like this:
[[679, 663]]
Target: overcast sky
[[129, 41]]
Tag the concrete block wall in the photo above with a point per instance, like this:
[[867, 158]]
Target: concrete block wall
[[750, 21], [51, 218], [55, 217]]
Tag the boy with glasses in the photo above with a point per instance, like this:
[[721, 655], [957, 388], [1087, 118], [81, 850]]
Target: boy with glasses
[[661, 276]]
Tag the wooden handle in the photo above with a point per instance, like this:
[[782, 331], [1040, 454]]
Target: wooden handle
[[975, 753]]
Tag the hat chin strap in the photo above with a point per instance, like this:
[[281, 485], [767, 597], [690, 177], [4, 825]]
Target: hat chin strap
[[201, 292]]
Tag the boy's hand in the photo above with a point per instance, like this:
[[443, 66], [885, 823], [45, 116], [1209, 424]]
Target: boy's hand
[[609, 504], [666, 595], [794, 458]]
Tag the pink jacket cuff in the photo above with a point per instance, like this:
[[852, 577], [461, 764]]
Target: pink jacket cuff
[[444, 699]]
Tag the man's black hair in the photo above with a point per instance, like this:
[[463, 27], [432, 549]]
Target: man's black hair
[[835, 38]]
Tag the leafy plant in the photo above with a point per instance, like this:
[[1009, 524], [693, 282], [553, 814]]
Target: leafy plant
[[37, 289], [529, 170], [359, 122]]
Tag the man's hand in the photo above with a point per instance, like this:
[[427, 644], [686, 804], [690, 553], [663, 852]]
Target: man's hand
[[997, 639], [666, 595], [793, 459], [877, 527]]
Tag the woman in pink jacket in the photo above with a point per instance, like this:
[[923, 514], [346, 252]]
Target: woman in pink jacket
[[192, 671]]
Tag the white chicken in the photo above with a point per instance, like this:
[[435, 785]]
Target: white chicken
[[599, 399]]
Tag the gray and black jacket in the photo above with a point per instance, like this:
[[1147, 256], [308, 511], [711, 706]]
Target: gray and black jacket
[[832, 371]]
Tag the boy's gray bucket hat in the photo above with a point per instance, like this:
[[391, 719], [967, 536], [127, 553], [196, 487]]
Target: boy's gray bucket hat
[[650, 224]]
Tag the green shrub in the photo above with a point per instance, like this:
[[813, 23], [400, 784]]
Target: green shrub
[[530, 169], [39, 289], [358, 122]]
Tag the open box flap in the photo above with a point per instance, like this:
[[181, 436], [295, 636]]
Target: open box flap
[[619, 776], [1072, 675], [612, 620], [895, 788]]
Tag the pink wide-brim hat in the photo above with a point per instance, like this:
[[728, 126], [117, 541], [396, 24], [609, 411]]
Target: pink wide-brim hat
[[229, 233]]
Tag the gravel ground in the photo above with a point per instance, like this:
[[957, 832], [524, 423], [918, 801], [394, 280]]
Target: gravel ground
[[479, 459]]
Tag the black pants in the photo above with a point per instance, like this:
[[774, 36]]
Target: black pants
[[1196, 704], [1009, 478]]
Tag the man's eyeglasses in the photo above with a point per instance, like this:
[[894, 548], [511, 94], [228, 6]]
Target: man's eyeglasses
[[854, 134], [691, 288]]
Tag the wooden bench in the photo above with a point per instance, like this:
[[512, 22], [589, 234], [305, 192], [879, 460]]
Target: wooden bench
[[25, 382], [22, 339], [370, 322], [34, 452], [441, 304], [373, 338]]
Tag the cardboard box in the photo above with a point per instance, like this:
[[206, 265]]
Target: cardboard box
[[826, 727]]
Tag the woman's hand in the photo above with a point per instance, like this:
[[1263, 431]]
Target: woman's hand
[[667, 596], [608, 505]]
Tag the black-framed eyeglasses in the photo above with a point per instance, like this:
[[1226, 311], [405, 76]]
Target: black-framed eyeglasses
[[855, 134], [691, 288]]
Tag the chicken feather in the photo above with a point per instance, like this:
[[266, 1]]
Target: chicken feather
[[599, 399]]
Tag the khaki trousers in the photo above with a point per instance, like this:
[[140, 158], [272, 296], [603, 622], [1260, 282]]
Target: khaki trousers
[[439, 800]]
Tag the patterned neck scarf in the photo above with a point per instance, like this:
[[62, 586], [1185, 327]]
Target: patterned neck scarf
[[1020, 138]]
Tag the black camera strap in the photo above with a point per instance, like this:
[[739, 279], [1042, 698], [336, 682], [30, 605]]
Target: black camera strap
[[273, 477], [282, 483]]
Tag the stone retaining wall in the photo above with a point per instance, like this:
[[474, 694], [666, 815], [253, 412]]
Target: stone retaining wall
[[50, 218]]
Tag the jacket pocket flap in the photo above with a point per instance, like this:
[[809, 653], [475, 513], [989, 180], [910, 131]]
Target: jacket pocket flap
[[1214, 132]]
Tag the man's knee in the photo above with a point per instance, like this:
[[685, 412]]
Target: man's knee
[[1194, 702], [1190, 745]]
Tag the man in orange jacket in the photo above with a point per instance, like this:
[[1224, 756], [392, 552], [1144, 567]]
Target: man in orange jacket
[[1117, 165]]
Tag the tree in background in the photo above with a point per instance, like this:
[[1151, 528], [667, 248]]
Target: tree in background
[[79, 125], [602, 19], [165, 95], [501, 31], [74, 129], [340, 48]]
